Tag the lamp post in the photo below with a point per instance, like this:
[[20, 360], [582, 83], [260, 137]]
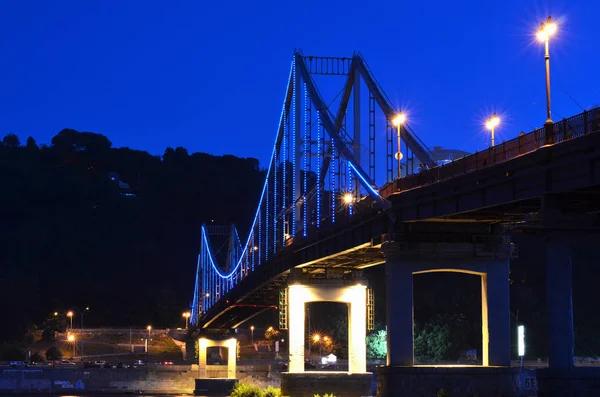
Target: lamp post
[[252, 334], [81, 338], [149, 328], [82, 312], [398, 121], [547, 29], [491, 124], [186, 315], [70, 315]]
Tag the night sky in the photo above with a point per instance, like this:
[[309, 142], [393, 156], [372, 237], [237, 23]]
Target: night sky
[[210, 75]]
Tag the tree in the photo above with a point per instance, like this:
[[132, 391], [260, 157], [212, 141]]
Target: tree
[[36, 358], [31, 144], [11, 141], [377, 344], [432, 342], [53, 354], [271, 333]]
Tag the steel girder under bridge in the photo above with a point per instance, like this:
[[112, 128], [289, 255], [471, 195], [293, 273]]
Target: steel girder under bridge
[[325, 166]]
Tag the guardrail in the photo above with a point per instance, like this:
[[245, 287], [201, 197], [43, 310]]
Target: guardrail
[[581, 124]]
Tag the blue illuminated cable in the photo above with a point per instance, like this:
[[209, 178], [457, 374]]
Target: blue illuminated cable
[[246, 247], [294, 148], [332, 177], [319, 154], [362, 178], [304, 183], [284, 176], [275, 203], [267, 225], [350, 188]]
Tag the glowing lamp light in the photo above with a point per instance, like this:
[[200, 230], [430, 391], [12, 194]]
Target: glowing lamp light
[[521, 340], [149, 328], [547, 29], [317, 337], [71, 338], [69, 313], [399, 119], [492, 122], [348, 198]]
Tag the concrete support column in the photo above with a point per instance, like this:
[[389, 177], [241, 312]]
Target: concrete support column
[[495, 292], [296, 301], [399, 297], [231, 358], [559, 302], [357, 330], [202, 358]]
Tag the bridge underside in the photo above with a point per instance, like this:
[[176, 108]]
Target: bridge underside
[[254, 303]]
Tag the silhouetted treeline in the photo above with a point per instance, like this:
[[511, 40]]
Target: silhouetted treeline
[[84, 224]]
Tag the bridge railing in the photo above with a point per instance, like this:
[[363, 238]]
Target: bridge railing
[[566, 129]]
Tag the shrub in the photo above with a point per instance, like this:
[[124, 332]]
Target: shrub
[[53, 354], [246, 390], [272, 392], [325, 395]]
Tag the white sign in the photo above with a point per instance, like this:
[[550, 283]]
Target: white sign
[[521, 340]]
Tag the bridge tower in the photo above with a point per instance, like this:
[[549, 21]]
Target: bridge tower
[[323, 172]]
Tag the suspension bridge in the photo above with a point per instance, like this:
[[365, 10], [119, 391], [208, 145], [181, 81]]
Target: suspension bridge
[[347, 188]]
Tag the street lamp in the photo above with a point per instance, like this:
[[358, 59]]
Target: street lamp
[[398, 121], [491, 124], [71, 338], [252, 334], [149, 328], [186, 315], [70, 314], [547, 29], [316, 339]]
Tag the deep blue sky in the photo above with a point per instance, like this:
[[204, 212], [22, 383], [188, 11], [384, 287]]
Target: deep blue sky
[[210, 75]]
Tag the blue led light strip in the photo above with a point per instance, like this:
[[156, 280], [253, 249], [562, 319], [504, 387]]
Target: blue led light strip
[[267, 225], [284, 176], [294, 148], [304, 179], [250, 236], [319, 154], [260, 238], [369, 187], [332, 180], [275, 204], [350, 188]]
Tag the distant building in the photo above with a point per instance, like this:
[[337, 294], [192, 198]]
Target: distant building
[[443, 156], [125, 189]]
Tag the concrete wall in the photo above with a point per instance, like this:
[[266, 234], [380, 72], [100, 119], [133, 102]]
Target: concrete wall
[[456, 382], [61, 380]]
